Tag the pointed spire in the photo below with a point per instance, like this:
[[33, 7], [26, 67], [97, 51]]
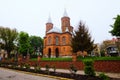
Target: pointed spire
[[49, 19], [65, 13]]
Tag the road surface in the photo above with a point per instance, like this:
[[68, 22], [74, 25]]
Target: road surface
[[6, 74]]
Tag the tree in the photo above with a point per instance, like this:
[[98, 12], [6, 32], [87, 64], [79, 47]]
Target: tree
[[36, 43], [8, 37], [116, 27], [116, 30], [81, 40], [24, 43]]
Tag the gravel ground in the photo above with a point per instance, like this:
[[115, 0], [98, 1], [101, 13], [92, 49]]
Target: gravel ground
[[6, 74]]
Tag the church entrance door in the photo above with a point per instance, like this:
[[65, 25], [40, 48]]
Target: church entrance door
[[49, 52], [57, 52]]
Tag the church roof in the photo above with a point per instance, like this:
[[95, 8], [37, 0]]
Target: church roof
[[49, 19], [65, 13], [54, 29]]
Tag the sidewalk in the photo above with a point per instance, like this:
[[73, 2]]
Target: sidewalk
[[112, 75]]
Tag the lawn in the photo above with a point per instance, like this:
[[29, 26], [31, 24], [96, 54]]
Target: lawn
[[78, 58], [98, 58], [53, 59]]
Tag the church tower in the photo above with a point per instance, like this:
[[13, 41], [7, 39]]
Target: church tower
[[49, 24], [65, 22]]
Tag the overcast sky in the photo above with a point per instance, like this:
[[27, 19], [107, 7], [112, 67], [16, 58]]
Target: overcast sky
[[31, 15]]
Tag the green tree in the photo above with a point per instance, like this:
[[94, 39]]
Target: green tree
[[24, 43], [81, 40], [116, 30], [36, 43], [8, 37], [116, 27]]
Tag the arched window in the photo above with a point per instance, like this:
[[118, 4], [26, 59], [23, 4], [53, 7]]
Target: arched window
[[57, 40], [49, 40], [63, 40]]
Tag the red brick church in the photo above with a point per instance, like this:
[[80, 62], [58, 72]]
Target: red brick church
[[57, 42]]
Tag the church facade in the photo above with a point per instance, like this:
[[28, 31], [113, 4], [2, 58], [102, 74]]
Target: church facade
[[57, 42]]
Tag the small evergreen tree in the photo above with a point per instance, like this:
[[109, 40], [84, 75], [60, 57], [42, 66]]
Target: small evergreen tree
[[89, 68], [81, 40]]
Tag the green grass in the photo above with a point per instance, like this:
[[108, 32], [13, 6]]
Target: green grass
[[53, 59], [98, 58], [78, 59], [33, 59], [56, 59]]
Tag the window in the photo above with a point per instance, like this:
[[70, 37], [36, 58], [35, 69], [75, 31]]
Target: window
[[64, 41], [57, 40], [49, 40]]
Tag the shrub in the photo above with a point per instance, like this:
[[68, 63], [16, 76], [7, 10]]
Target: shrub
[[0, 63], [37, 68], [13, 65], [21, 65], [27, 66], [88, 69], [47, 68], [103, 76], [73, 69], [54, 68]]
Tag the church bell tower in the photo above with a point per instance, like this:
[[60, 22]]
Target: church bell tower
[[65, 22]]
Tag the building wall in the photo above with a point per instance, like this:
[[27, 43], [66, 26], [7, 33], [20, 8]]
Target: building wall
[[63, 49]]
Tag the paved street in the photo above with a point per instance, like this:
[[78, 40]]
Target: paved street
[[6, 74]]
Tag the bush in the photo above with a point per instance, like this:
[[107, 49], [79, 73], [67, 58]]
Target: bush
[[88, 69], [37, 68], [21, 65], [27, 66], [103, 76], [47, 68], [54, 68], [73, 69]]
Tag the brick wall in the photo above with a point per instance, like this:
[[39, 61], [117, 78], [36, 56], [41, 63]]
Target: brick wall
[[107, 66], [102, 66]]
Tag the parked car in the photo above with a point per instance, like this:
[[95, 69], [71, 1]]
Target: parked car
[[112, 51]]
